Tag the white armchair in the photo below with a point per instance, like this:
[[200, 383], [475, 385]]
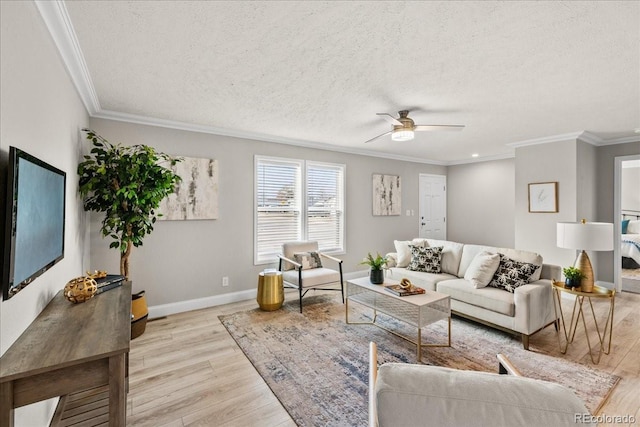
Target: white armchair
[[403, 394], [302, 269]]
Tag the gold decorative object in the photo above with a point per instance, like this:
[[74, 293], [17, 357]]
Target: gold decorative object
[[270, 291], [139, 314], [405, 283], [97, 274], [80, 289]]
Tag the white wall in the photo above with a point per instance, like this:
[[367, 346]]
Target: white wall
[[537, 231], [186, 260], [481, 203], [41, 114], [630, 189]]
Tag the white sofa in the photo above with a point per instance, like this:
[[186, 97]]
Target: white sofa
[[525, 311]]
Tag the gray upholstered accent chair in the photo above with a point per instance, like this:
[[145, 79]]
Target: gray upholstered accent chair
[[403, 394], [300, 270]]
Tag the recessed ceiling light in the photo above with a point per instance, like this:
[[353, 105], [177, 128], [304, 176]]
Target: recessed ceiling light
[[637, 130], [475, 155]]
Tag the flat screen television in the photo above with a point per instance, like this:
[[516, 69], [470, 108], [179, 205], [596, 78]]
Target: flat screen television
[[34, 220]]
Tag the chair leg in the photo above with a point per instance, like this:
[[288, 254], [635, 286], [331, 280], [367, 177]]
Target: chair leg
[[525, 341], [341, 284], [300, 286], [300, 289]]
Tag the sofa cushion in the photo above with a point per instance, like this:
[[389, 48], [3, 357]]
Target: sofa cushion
[[425, 259], [451, 254], [469, 252], [524, 256], [488, 298], [482, 269], [512, 274], [420, 278], [313, 277], [403, 253], [412, 395]]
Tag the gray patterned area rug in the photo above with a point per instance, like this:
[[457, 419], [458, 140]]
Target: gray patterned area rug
[[317, 365]]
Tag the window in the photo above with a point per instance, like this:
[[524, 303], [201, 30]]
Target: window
[[297, 200]]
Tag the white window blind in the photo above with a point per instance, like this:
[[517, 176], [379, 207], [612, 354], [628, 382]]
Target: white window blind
[[281, 216], [325, 216], [279, 207]]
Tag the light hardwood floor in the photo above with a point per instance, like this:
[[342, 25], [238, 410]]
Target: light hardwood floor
[[187, 370]]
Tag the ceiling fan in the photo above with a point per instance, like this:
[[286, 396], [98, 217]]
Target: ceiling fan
[[404, 127]]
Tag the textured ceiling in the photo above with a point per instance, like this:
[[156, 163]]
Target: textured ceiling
[[319, 71]]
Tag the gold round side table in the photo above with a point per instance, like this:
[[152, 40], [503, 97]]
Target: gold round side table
[[270, 291], [578, 312]]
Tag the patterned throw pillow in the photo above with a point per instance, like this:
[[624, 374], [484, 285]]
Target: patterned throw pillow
[[512, 274], [427, 259], [308, 260]]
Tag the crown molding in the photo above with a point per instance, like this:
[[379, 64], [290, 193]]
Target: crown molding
[[590, 138], [623, 140], [212, 130], [545, 139], [56, 18], [584, 136], [504, 156]]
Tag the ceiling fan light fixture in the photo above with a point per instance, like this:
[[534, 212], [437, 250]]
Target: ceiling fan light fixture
[[402, 135]]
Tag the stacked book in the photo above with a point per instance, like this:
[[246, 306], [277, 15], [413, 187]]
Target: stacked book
[[402, 292], [108, 282]]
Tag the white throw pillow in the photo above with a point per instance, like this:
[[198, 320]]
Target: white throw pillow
[[633, 227], [403, 251], [482, 269]]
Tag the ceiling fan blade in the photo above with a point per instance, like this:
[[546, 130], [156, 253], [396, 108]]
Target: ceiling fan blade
[[390, 119], [438, 127], [376, 137]]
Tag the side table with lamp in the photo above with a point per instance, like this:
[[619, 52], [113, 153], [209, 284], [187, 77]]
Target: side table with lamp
[[594, 236], [597, 293]]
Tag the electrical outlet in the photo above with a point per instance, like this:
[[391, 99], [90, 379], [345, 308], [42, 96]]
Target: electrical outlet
[[225, 281]]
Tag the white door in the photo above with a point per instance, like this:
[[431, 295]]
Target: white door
[[433, 206]]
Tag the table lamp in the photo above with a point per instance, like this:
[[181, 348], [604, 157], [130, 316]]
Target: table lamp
[[592, 236]]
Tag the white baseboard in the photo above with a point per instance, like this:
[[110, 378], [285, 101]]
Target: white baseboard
[[197, 304], [162, 310]]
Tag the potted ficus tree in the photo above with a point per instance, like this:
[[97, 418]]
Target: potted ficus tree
[[377, 265], [127, 184]]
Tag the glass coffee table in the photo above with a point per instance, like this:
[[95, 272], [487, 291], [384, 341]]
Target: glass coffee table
[[415, 310]]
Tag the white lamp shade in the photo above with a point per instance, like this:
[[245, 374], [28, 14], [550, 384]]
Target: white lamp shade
[[591, 236]]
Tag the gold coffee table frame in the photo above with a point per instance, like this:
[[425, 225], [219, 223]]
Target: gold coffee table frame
[[599, 292], [415, 310]]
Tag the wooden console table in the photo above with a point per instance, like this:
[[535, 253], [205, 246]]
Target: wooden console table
[[68, 348]]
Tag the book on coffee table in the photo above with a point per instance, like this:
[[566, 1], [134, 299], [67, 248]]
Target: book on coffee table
[[399, 291]]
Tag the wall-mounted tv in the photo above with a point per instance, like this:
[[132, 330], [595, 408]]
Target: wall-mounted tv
[[34, 222]]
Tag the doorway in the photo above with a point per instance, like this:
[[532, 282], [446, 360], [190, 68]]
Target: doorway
[[433, 206], [627, 224]]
